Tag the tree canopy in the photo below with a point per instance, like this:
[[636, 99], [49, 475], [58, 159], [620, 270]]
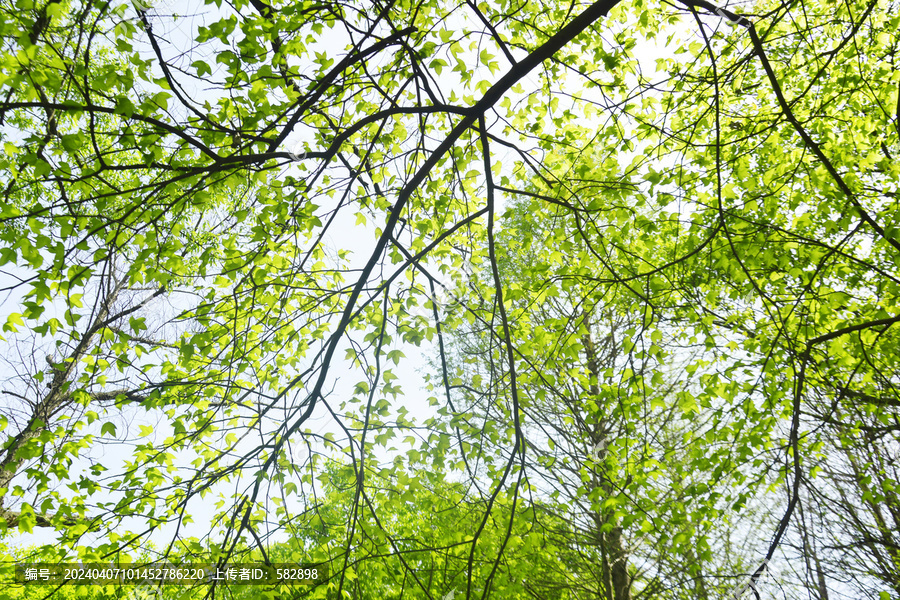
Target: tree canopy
[[646, 253]]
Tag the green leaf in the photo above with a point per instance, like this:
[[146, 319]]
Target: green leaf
[[12, 321], [202, 68], [124, 107]]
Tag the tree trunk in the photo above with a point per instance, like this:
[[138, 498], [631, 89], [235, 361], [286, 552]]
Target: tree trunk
[[615, 560], [57, 397]]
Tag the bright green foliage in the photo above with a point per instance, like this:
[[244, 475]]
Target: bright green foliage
[[412, 534], [222, 234]]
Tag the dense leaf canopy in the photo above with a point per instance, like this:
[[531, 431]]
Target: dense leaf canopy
[[646, 254]]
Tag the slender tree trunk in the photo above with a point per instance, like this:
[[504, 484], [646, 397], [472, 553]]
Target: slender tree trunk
[[58, 396], [621, 582], [615, 560], [606, 571], [812, 558]]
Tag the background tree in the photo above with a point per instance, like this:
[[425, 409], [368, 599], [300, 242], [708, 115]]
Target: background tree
[[610, 407]]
